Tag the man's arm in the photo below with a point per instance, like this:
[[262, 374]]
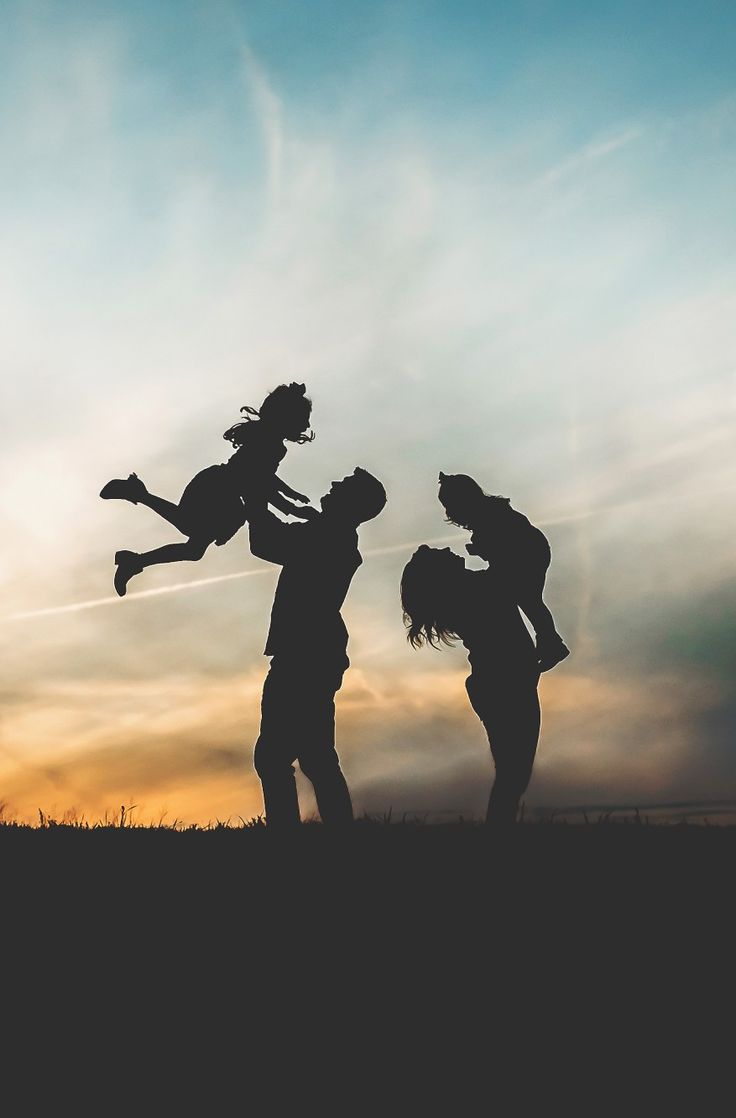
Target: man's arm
[[270, 538]]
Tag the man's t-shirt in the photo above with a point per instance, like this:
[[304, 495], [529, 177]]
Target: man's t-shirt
[[318, 562]]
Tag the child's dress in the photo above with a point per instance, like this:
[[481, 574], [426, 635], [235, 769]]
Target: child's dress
[[213, 505]]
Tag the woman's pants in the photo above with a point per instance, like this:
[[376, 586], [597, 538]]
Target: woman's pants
[[509, 709]]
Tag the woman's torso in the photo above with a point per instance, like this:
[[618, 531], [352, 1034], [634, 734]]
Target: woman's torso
[[491, 628]]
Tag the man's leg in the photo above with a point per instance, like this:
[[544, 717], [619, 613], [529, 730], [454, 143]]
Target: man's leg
[[318, 758], [275, 751]]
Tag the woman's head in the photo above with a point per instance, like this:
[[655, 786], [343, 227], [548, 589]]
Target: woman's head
[[429, 596], [286, 411]]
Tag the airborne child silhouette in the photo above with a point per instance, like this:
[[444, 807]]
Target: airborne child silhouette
[[214, 505], [517, 551]]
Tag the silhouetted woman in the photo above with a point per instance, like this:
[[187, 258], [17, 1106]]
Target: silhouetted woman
[[443, 601]]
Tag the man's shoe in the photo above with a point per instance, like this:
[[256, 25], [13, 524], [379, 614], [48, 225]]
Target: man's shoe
[[130, 488], [128, 564]]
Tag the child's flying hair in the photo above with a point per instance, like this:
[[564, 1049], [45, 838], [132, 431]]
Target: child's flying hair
[[287, 408]]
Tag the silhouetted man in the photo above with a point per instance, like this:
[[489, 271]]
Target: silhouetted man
[[307, 641]]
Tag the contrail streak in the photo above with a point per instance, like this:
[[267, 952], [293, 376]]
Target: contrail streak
[[195, 584], [95, 603]]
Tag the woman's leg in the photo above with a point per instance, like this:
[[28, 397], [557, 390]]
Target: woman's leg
[[512, 718], [513, 738]]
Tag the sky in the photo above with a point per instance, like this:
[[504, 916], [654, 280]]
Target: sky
[[491, 238]]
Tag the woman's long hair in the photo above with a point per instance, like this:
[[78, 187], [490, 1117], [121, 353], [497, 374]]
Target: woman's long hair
[[287, 407], [426, 601]]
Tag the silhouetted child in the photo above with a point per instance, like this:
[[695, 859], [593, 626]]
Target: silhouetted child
[[515, 548], [214, 504]]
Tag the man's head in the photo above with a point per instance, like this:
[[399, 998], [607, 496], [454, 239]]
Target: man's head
[[357, 498]]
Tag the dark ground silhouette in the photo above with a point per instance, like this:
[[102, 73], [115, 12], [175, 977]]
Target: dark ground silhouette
[[412, 964], [568, 904]]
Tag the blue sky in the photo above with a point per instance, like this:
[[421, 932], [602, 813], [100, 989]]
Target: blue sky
[[495, 239]]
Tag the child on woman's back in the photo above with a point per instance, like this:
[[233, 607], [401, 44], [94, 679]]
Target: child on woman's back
[[214, 505], [515, 548]]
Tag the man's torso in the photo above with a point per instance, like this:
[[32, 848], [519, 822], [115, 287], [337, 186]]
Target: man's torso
[[306, 623]]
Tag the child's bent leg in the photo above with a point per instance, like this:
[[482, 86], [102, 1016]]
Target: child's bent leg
[[132, 489], [538, 613], [130, 563], [193, 549], [529, 590], [168, 511], [550, 646]]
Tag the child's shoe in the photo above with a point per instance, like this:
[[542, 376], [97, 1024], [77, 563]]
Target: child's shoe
[[130, 488], [551, 651], [128, 564]]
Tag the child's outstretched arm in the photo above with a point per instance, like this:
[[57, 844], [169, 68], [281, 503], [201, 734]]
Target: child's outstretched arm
[[281, 486], [270, 538], [280, 502], [276, 497]]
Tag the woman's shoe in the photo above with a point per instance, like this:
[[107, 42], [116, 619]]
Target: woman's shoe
[[130, 488], [128, 564]]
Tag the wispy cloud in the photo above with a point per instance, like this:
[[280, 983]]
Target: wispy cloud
[[591, 153], [270, 112]]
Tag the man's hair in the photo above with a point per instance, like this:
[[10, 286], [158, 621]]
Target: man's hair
[[369, 495]]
